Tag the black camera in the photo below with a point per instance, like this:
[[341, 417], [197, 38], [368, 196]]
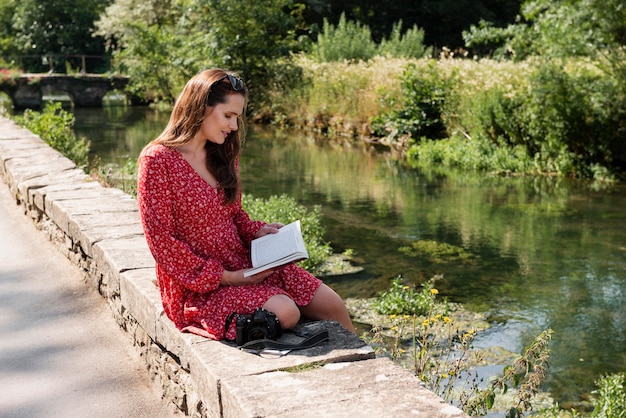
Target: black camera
[[259, 325]]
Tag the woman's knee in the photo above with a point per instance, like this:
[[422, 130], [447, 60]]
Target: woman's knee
[[285, 310], [326, 304]]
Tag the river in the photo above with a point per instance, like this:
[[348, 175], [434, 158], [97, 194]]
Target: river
[[539, 251]]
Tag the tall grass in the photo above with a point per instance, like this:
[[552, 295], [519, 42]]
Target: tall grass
[[339, 97]]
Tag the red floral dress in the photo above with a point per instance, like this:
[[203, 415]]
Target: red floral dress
[[194, 235]]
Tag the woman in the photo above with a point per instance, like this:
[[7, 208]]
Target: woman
[[190, 205]]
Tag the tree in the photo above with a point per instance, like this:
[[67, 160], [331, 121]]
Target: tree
[[442, 20], [116, 21], [249, 38], [151, 42], [56, 27], [161, 43], [555, 28], [8, 48]]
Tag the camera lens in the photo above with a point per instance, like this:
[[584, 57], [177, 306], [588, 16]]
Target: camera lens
[[257, 334]]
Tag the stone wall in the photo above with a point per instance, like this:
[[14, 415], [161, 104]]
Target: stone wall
[[99, 230]]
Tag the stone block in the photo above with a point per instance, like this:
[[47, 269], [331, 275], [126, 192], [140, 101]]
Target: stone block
[[34, 189], [88, 237], [376, 388], [115, 256], [13, 137], [75, 181], [110, 200], [28, 143], [31, 164], [141, 298], [95, 220]]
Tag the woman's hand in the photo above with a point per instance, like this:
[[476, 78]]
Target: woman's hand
[[268, 229], [236, 278]]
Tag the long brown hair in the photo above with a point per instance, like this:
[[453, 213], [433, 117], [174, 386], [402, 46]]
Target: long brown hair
[[208, 88]]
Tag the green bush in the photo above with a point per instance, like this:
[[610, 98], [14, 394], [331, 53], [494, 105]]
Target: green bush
[[112, 175], [402, 299], [352, 41], [610, 397], [470, 154], [285, 209], [348, 41], [566, 118], [550, 121], [567, 122], [54, 126], [409, 45], [420, 114]]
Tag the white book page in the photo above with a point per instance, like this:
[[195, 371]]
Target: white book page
[[281, 245], [275, 250]]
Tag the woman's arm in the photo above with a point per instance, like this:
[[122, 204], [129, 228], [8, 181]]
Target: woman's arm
[[155, 198]]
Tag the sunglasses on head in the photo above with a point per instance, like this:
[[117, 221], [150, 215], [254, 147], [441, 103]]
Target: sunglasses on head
[[235, 82]]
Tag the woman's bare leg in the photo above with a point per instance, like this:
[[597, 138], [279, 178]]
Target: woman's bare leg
[[326, 304], [285, 310]]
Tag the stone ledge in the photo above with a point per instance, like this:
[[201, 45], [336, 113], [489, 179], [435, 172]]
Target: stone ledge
[[99, 230], [376, 388]]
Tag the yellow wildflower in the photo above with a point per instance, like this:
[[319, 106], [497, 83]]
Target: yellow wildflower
[[434, 291], [446, 319]]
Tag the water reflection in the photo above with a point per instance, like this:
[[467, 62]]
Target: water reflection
[[118, 133], [536, 252]]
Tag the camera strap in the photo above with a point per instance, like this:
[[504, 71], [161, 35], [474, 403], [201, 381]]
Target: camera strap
[[271, 348], [229, 320]]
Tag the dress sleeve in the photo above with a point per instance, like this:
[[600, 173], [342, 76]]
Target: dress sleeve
[[246, 227], [155, 199]]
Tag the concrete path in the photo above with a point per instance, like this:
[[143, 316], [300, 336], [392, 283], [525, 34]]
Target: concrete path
[[61, 352]]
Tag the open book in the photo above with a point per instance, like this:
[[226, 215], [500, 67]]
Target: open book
[[275, 250]]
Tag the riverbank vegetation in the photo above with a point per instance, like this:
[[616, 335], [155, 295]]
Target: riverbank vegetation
[[539, 116], [434, 338]]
